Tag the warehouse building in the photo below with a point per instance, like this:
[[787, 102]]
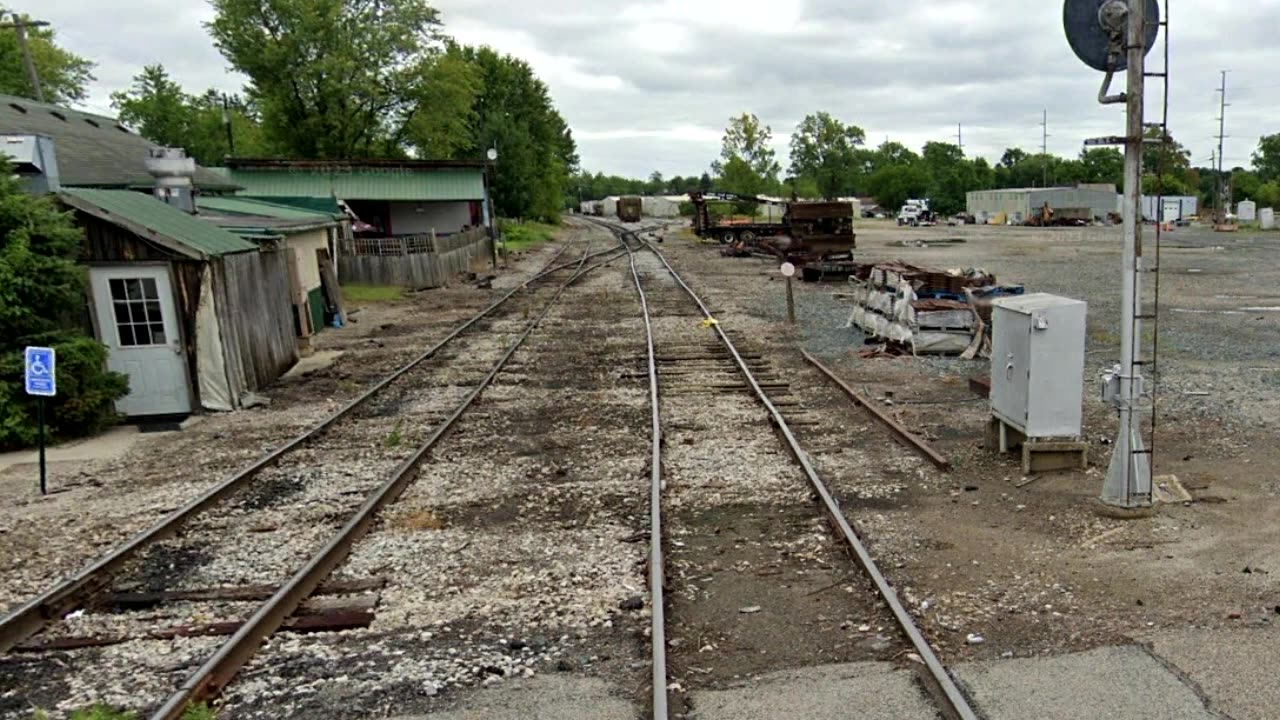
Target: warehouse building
[[391, 198], [1016, 205]]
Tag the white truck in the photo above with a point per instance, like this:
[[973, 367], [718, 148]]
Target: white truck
[[915, 212]]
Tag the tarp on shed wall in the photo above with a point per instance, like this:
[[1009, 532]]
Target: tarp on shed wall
[[211, 367]]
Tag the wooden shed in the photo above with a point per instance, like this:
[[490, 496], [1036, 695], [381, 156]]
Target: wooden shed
[[193, 314]]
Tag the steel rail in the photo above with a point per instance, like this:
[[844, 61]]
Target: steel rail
[[30, 618], [908, 438], [947, 693], [216, 672], [657, 604]]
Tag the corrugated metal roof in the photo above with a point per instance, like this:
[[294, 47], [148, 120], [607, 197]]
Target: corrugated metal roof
[[148, 217], [355, 183], [232, 205], [92, 150]]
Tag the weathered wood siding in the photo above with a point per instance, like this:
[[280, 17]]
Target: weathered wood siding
[[447, 258], [254, 311]]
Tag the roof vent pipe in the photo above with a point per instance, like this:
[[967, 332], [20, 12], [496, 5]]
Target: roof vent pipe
[[173, 172]]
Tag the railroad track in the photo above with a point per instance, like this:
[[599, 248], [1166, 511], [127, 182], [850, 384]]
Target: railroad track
[[699, 381], [224, 566]]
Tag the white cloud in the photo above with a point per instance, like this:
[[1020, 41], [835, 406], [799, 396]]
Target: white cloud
[[650, 84]]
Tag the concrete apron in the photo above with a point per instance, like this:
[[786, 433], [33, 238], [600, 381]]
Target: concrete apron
[[1182, 675]]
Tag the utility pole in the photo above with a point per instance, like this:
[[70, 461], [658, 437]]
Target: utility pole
[[20, 25], [960, 136], [226, 120], [1044, 145], [1222, 135]]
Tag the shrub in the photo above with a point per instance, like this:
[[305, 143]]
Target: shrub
[[42, 303]]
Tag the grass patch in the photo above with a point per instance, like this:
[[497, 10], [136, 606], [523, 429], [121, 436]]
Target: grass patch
[[105, 712], [371, 293], [518, 236], [395, 437]]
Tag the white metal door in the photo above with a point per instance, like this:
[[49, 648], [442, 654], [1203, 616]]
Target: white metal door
[[138, 323]]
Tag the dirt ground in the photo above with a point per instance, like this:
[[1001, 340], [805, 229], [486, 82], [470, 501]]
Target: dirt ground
[[1029, 563]]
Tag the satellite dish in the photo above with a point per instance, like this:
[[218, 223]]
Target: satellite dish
[[492, 154], [1090, 23]]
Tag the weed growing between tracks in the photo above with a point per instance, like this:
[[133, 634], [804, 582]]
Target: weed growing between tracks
[[104, 712]]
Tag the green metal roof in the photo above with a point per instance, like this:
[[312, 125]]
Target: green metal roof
[[153, 220], [92, 150], [372, 183], [232, 205]]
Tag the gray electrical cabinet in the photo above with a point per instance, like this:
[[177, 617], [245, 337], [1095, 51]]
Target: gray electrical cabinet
[[1037, 364]]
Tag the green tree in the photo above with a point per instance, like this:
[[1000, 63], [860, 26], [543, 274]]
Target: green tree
[[441, 120], [951, 177], [822, 151], [41, 303], [1268, 195], [891, 154], [64, 76], [1266, 160], [158, 108], [1103, 165], [333, 78], [893, 185], [515, 115], [746, 147], [1245, 185]]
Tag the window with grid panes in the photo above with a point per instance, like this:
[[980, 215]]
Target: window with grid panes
[[136, 304]]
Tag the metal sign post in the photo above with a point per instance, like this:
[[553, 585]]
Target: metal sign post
[[41, 382], [1128, 482], [789, 271]]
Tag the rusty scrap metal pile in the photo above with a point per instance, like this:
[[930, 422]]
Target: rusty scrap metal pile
[[925, 311]]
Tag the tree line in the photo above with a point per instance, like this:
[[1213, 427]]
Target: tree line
[[343, 79], [831, 159]]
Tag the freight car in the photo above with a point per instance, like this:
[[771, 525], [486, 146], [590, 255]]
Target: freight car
[[630, 209]]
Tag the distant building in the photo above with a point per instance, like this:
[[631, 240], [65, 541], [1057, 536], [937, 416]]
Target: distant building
[[1094, 202], [312, 238], [389, 198]]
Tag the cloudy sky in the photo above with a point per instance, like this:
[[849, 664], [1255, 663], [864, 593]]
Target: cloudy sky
[[650, 84]]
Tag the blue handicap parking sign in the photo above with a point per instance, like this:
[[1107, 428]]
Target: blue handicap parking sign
[[41, 378]]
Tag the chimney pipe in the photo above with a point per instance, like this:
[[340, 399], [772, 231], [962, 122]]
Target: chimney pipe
[[173, 172]]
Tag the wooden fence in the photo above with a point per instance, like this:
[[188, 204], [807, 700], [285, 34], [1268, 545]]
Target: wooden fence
[[416, 262], [256, 317]]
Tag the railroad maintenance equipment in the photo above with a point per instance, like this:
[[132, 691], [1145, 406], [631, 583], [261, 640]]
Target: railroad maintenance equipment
[[810, 234]]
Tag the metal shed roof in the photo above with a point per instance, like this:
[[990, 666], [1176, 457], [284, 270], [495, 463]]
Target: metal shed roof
[[354, 181], [92, 150], [156, 221], [232, 205]]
